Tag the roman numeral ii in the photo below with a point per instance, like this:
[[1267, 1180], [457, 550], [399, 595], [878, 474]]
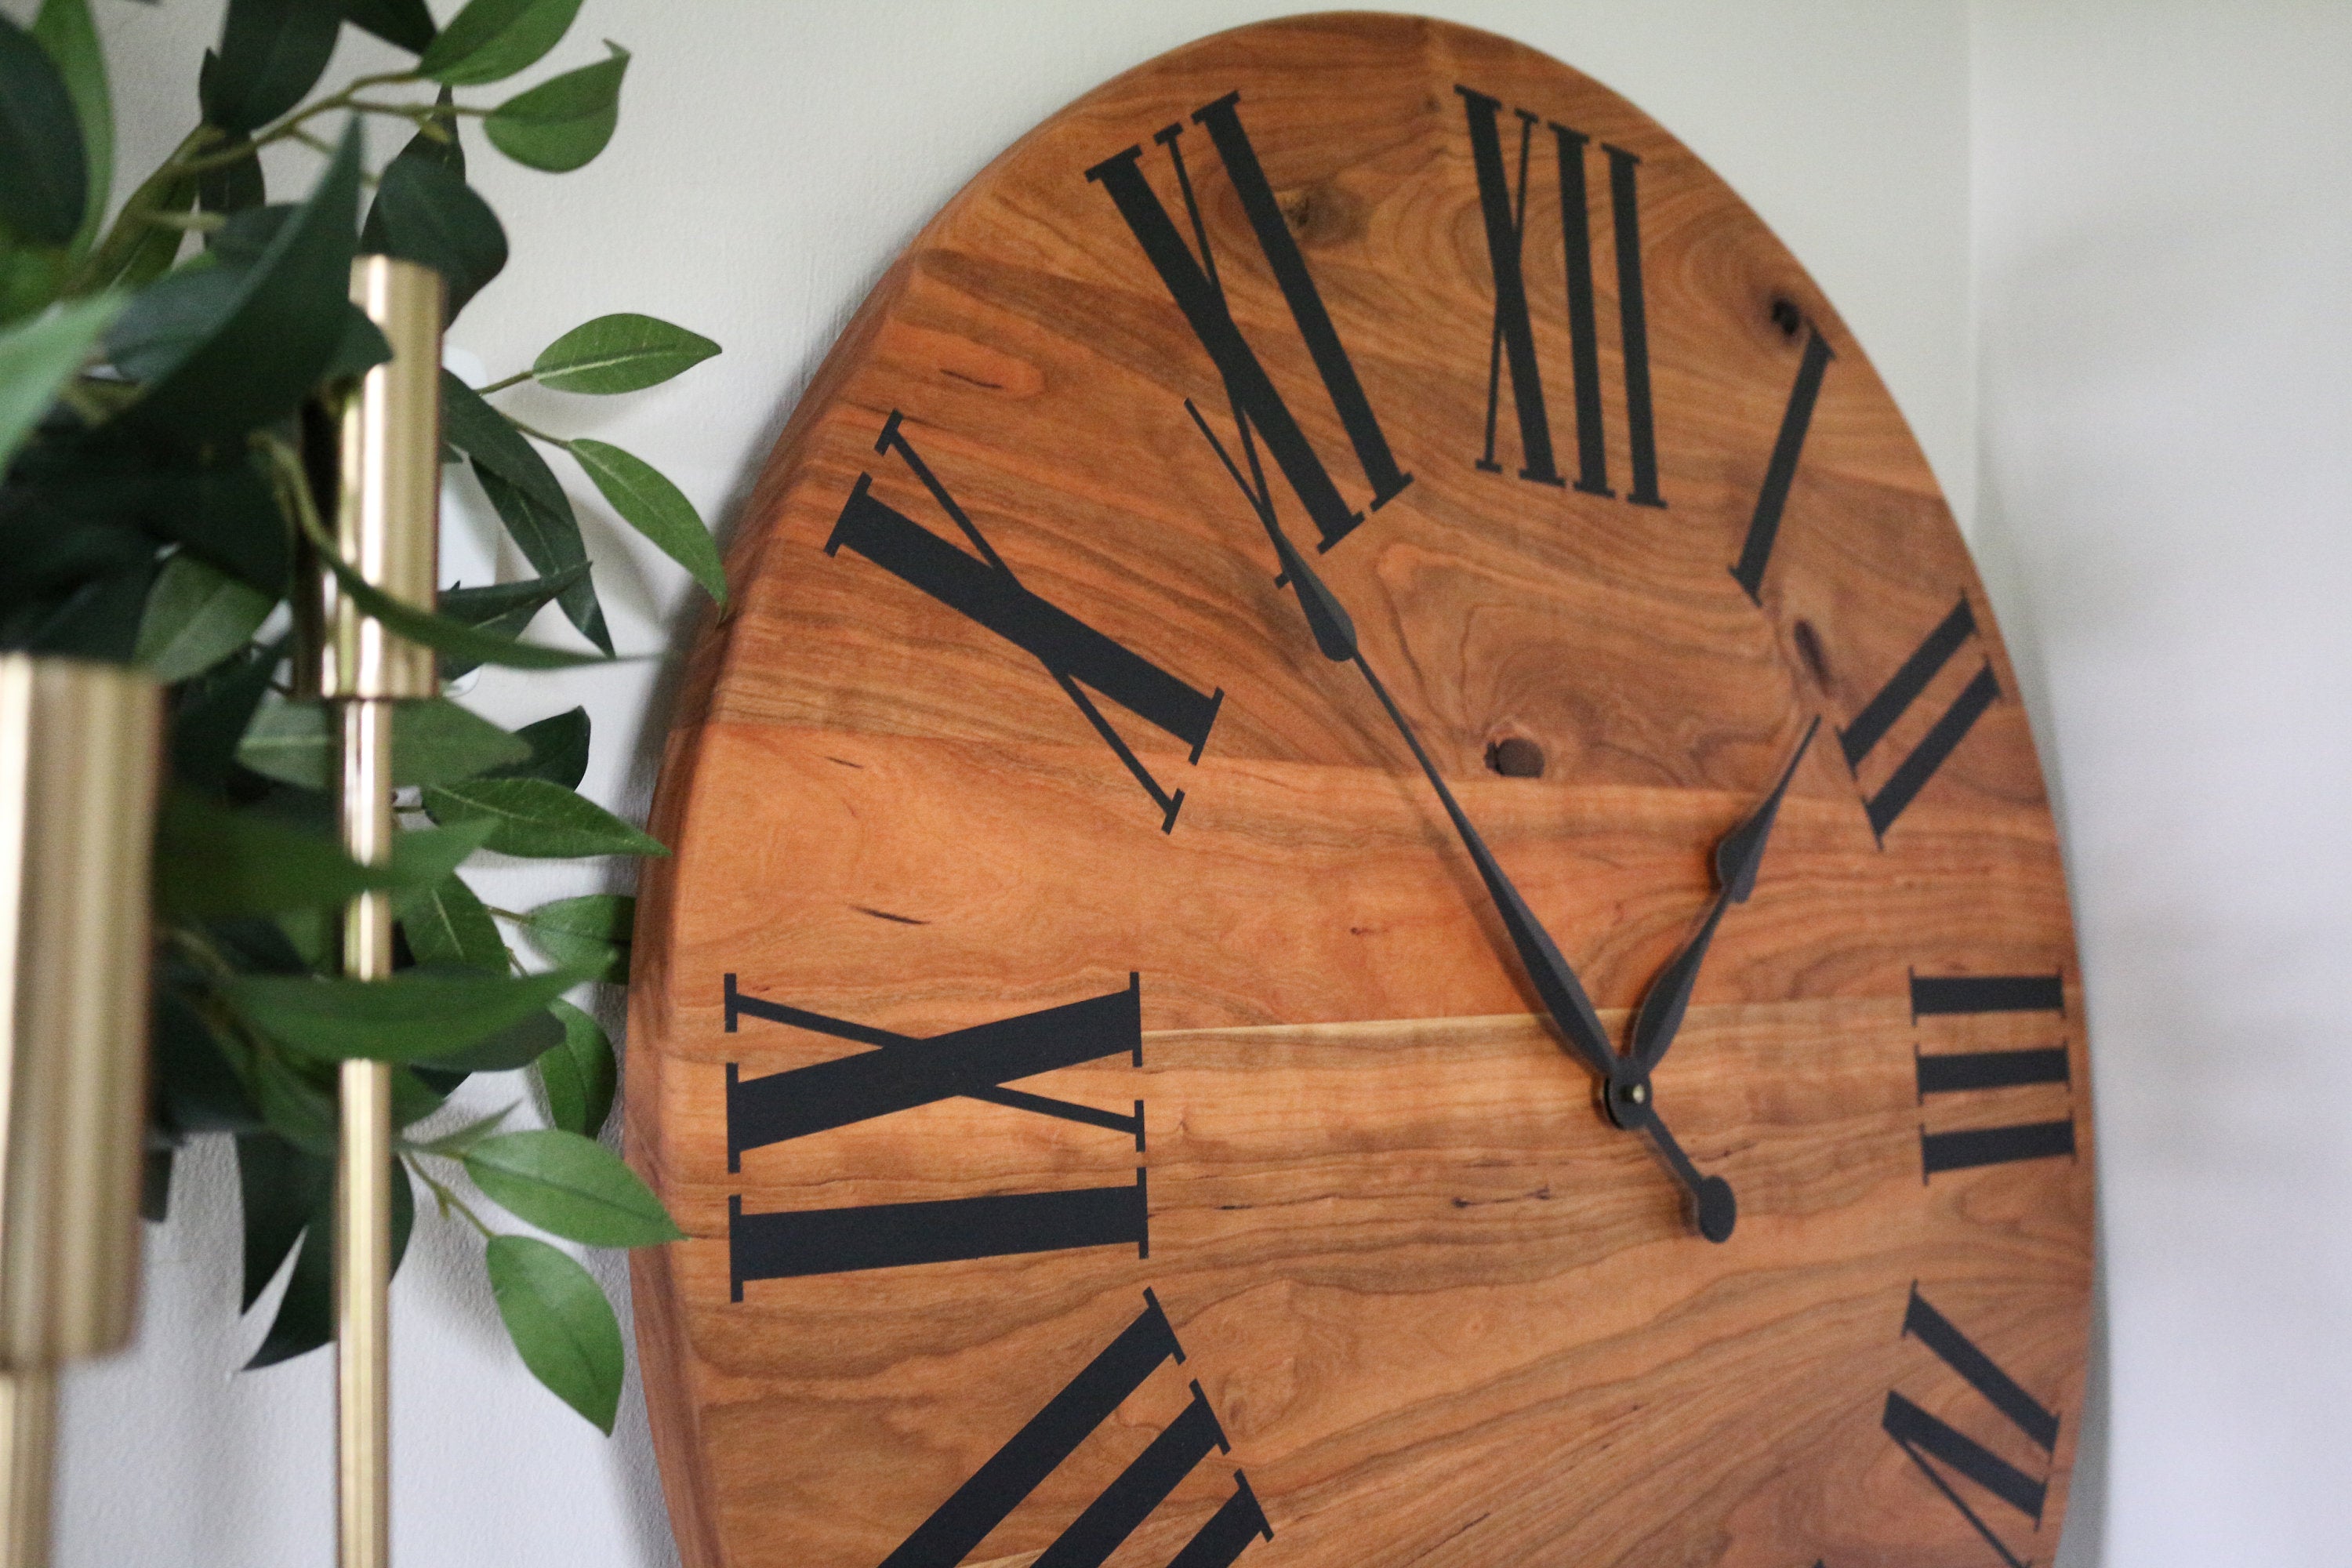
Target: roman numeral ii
[[1075, 655], [1503, 202], [1200, 294], [1894, 698], [1055, 1432], [900, 1074], [1924, 1437], [1954, 1072]]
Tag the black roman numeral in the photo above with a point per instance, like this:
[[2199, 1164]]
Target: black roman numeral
[[1764, 526], [1055, 1432], [1894, 698], [900, 1074], [1200, 294], [1503, 202], [1075, 654], [1924, 1437], [1954, 1072]]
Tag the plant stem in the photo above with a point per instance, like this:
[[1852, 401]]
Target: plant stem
[[107, 258], [448, 1199], [520, 376], [536, 434]]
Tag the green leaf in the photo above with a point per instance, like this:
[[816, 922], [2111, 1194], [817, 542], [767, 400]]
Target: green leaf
[[564, 121], [433, 742], [518, 1045], [535, 819], [281, 1187], [305, 1320], [581, 1076], [64, 28], [620, 353], [445, 924], [43, 167], [570, 1186], [559, 750], [457, 1140], [588, 933], [425, 213], [442, 636], [271, 53], [416, 1016], [228, 347], [492, 39], [133, 255], [212, 862], [39, 357], [404, 24], [212, 713], [233, 187], [199, 1078], [559, 1323], [195, 618], [655, 508], [362, 347], [224, 513], [529, 501], [505, 609]]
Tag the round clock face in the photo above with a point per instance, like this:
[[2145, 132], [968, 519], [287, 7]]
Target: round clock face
[[1359, 881]]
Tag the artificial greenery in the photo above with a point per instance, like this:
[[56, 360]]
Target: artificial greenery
[[170, 381]]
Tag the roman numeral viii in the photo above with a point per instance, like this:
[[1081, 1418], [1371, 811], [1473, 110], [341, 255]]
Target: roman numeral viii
[[1055, 1432], [1075, 655], [900, 1074], [1894, 700], [1924, 1437], [1503, 202], [1954, 1072], [1200, 294]]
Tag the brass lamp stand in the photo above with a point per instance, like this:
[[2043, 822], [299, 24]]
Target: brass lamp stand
[[79, 755], [386, 530]]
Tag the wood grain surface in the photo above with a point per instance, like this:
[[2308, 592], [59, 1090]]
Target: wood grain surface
[[1442, 1311]]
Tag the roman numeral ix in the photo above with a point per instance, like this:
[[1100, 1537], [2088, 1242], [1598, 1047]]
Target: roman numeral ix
[[1503, 202], [1954, 1072], [1895, 698], [1924, 1437], [1075, 655], [1200, 294], [900, 1073], [1055, 1432]]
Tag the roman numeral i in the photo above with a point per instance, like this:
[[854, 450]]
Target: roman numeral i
[[1954, 1072], [1055, 1432], [1894, 700], [900, 1074], [1923, 1438], [1075, 655], [1503, 202], [1200, 294]]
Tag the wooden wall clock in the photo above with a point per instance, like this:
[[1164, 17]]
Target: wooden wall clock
[[1359, 882]]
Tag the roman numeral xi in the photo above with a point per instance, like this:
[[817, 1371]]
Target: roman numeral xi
[[1503, 202], [1955, 1073], [1924, 1437], [1055, 1432], [984, 587], [900, 1074], [1200, 294]]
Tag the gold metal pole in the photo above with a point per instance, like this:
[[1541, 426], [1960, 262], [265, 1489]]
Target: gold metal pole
[[386, 528], [80, 755]]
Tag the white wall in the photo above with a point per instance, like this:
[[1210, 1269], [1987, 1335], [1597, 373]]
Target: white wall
[[2164, 244], [770, 161]]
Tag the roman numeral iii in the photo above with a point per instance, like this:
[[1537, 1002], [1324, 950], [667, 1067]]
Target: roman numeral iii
[[1200, 294], [900, 1073], [1503, 202], [1075, 655], [1055, 1432], [1953, 1072], [1924, 1437], [1894, 698]]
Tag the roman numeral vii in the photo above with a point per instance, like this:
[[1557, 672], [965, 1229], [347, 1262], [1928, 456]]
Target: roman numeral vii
[[1503, 202], [984, 587], [1924, 1437], [1055, 1432], [1200, 294], [900, 1073]]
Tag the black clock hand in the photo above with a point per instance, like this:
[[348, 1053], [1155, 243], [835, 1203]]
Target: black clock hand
[[1335, 634], [1736, 860]]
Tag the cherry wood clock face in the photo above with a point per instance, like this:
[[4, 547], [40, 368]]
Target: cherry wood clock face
[[1358, 881]]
